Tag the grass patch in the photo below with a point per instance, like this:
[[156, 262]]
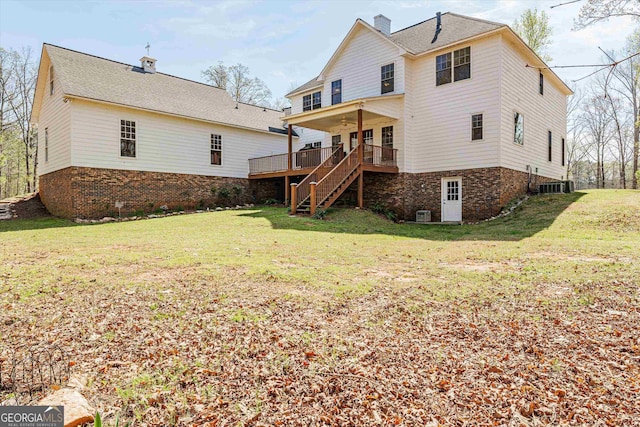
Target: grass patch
[[226, 316]]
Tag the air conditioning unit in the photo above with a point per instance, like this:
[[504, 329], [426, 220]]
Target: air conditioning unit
[[423, 217]]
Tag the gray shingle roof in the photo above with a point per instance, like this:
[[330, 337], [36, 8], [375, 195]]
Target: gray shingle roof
[[101, 79], [308, 85], [417, 38]]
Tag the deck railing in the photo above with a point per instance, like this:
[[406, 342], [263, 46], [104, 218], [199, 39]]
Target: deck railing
[[264, 164], [337, 176], [303, 189], [305, 159], [379, 156]]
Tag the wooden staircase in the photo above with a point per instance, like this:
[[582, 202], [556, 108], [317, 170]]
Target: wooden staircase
[[322, 187]]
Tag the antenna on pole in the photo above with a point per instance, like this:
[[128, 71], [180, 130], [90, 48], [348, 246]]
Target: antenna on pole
[[148, 46]]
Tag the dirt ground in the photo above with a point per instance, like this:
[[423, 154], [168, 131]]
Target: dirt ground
[[28, 207]]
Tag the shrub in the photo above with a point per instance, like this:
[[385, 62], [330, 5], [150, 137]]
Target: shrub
[[381, 209], [320, 214]]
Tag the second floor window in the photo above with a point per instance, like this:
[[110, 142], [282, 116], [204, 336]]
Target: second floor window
[[549, 145], [336, 92], [386, 78], [518, 128], [541, 84], [127, 138], [461, 66], [216, 149], [316, 100], [443, 69], [476, 127], [312, 101]]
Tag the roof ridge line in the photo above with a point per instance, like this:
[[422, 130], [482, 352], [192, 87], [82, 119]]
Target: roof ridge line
[[164, 74]]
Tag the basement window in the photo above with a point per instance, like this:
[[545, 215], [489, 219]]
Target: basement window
[[216, 149], [127, 138]]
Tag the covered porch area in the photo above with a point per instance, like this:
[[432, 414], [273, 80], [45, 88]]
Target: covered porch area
[[361, 136]]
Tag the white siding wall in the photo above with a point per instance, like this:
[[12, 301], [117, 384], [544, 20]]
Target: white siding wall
[[541, 113], [439, 117], [56, 116], [359, 67], [308, 136], [164, 143]]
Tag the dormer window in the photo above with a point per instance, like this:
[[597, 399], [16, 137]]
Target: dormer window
[[386, 80], [51, 80]]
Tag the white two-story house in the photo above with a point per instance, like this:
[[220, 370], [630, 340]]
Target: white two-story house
[[455, 115]]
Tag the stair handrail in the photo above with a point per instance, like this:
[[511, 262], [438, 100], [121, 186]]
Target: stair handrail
[[331, 181], [303, 189]]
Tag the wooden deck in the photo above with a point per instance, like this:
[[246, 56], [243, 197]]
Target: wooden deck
[[376, 159]]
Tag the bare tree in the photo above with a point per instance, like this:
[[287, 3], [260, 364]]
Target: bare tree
[[534, 28], [594, 11], [236, 80], [596, 118]]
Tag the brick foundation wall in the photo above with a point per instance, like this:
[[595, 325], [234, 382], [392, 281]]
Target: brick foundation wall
[[77, 192], [485, 191]]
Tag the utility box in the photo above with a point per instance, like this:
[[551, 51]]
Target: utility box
[[423, 217]]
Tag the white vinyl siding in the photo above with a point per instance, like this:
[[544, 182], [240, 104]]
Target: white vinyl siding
[[520, 91], [55, 116], [358, 66], [439, 116], [164, 143]]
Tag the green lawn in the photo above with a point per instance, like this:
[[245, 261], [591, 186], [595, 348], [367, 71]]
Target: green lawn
[[253, 317]]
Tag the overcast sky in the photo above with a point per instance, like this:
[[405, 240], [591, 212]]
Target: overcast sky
[[282, 42]]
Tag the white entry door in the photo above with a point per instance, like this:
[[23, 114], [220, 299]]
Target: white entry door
[[451, 199]]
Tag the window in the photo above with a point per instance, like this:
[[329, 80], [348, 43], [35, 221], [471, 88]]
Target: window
[[476, 127], [316, 100], [564, 148], [127, 138], [336, 92], [46, 144], [216, 149], [312, 101], [51, 80], [367, 137], [386, 78], [518, 128], [387, 137], [336, 140], [306, 103], [443, 69], [453, 191], [541, 84], [549, 145], [462, 64], [317, 144]]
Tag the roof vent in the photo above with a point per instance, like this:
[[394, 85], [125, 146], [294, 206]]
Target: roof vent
[[438, 27], [148, 64], [382, 24]]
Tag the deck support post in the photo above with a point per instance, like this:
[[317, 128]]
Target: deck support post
[[289, 147], [312, 198], [287, 189], [360, 160], [294, 202]]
